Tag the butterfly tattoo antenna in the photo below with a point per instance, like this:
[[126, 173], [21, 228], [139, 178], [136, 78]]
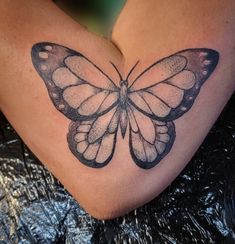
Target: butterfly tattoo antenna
[[128, 75], [119, 74], [131, 70]]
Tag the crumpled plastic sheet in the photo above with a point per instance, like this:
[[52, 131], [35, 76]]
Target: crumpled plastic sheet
[[198, 207]]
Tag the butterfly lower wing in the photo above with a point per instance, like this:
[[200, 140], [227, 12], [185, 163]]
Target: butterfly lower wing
[[76, 86], [93, 141], [149, 140], [183, 74]]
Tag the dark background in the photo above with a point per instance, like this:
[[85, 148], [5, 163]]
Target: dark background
[[198, 207]]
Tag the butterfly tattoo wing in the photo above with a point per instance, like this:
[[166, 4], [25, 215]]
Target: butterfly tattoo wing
[[149, 140], [87, 96], [173, 84], [84, 94]]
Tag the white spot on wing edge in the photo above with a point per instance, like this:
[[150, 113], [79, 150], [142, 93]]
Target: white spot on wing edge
[[43, 67], [48, 47], [61, 106], [207, 62], [53, 94], [203, 54], [43, 55], [204, 72]]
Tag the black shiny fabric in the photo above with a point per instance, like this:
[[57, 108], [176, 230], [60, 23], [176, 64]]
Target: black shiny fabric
[[198, 207]]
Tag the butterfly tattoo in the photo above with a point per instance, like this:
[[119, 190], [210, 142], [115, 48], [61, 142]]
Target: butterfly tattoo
[[99, 108]]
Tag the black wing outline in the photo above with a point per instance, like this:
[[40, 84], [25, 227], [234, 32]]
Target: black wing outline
[[201, 62], [54, 59], [183, 75], [97, 130], [50, 58], [148, 152], [93, 142]]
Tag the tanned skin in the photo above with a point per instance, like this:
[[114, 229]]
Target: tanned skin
[[147, 32]]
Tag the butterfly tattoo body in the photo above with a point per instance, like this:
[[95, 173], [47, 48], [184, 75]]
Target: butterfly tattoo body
[[98, 107]]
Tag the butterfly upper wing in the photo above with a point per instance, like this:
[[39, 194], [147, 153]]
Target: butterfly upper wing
[[93, 141], [149, 140], [77, 87], [173, 83], [160, 94]]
